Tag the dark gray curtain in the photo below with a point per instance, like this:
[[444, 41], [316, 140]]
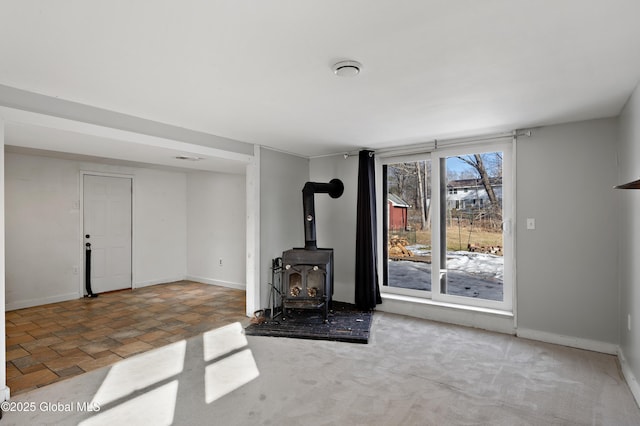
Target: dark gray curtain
[[367, 286]]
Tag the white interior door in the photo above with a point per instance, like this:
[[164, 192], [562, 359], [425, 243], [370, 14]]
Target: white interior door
[[107, 227]]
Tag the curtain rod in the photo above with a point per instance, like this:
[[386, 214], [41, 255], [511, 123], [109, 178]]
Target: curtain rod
[[408, 149], [347, 155], [415, 148]]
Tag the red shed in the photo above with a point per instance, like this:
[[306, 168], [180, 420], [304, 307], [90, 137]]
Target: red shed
[[397, 212]]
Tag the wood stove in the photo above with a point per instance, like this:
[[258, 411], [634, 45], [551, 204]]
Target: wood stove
[[308, 272], [308, 279]]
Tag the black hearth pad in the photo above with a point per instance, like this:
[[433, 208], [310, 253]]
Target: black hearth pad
[[345, 324]]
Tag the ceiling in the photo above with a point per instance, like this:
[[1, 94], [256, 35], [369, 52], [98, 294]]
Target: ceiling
[[261, 71], [87, 147]]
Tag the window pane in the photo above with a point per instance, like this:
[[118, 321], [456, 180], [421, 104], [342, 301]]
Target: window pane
[[471, 226], [408, 225]]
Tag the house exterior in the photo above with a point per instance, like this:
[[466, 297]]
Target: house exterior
[[397, 211], [470, 194]]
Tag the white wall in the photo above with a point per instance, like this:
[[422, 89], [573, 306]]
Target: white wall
[[628, 208], [160, 226], [42, 230], [567, 266], [43, 237], [336, 220], [216, 228], [282, 177]]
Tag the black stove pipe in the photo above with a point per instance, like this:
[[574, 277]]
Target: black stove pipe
[[334, 188]]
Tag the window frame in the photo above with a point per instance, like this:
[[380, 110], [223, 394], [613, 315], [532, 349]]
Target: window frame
[[508, 211], [383, 232]]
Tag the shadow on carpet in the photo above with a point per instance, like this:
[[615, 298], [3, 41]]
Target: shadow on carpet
[[345, 323]]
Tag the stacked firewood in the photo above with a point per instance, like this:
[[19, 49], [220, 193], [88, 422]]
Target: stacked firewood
[[398, 247], [484, 249]]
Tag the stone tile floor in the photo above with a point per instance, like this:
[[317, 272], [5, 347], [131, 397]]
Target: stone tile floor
[[52, 342]]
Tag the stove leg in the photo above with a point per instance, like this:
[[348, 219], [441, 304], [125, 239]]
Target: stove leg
[[326, 310]]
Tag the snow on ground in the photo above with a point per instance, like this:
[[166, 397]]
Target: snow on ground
[[479, 264], [469, 274]]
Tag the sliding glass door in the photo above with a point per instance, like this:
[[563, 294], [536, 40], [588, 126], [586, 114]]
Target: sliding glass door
[[447, 226], [407, 214]]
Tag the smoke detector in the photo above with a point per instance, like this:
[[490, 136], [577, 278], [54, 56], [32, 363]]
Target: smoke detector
[[347, 68]]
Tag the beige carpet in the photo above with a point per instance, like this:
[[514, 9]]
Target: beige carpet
[[412, 372]]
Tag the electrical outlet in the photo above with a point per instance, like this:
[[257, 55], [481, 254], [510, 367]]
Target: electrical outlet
[[220, 262], [74, 269]]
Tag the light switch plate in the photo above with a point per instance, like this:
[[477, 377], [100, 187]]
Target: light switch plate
[[531, 223]]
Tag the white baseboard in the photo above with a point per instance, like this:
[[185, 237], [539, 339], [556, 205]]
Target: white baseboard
[[573, 342], [19, 304], [629, 376], [140, 284], [221, 283]]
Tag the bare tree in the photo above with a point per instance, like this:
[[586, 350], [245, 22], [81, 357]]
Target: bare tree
[[402, 181], [410, 181], [427, 206], [421, 204], [477, 163]]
